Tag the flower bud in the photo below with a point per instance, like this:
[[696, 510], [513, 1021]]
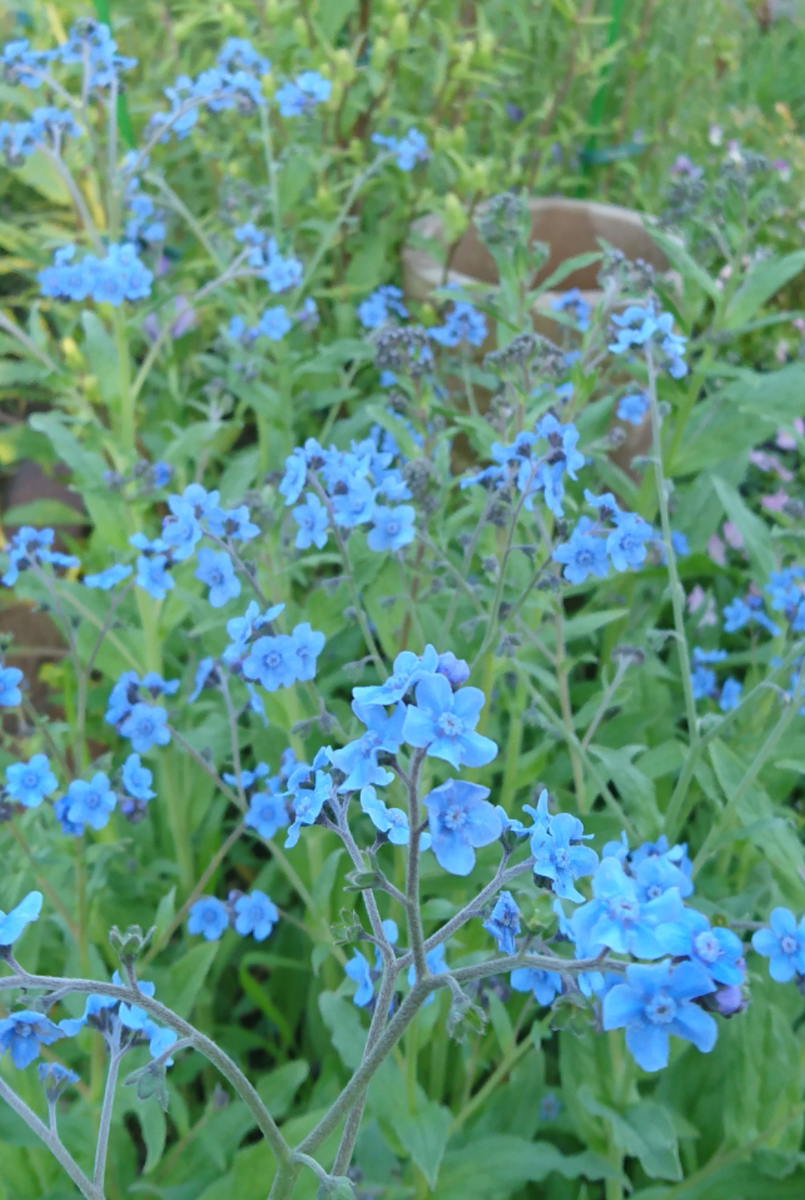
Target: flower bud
[[273, 10], [381, 52], [398, 32], [343, 66], [300, 31], [484, 47], [455, 218]]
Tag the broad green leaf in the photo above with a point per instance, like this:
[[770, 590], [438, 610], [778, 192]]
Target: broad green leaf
[[686, 265], [102, 356], [86, 464], [187, 977], [43, 512], [644, 1131], [764, 281], [277, 1090], [346, 1030], [155, 1129], [424, 1135], [166, 910], [492, 1168], [577, 263], [753, 529], [779, 396], [14, 372], [716, 432]]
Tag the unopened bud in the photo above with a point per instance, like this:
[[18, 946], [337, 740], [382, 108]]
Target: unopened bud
[[301, 32], [398, 32], [381, 52]]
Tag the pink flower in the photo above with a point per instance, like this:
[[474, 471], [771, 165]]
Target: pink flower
[[775, 503], [732, 535], [696, 598], [717, 551]]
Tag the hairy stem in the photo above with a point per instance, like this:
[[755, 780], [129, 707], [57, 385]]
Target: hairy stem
[[415, 932], [53, 1142], [102, 1145]]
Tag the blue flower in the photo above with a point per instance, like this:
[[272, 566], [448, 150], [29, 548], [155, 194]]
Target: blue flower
[[393, 527], [679, 543], [655, 1002], [460, 820], [655, 874], [707, 656], [146, 725], [455, 670], [312, 519], [718, 950], [23, 1033], [13, 923], [153, 577], [181, 531], [273, 662], [375, 309], [61, 810], [436, 964], [137, 779], [91, 803], [119, 276], [10, 694], [160, 1039], [358, 759], [293, 481], [462, 324], [730, 696], [307, 806], [267, 813], [307, 646], [217, 572], [504, 922], [545, 985], [574, 301], [303, 94], [359, 971], [583, 555], [409, 150], [393, 822], [29, 783], [408, 669], [558, 857], [109, 578], [783, 944], [626, 544], [55, 1078], [354, 505], [443, 723], [274, 323], [205, 670], [617, 919], [633, 408], [209, 917], [703, 682], [255, 914]]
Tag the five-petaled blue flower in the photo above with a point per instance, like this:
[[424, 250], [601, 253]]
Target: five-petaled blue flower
[[23, 1033], [307, 806], [272, 661], [312, 519], [267, 813], [504, 922], [29, 783], [783, 944], [217, 572], [307, 646], [360, 972], [461, 820], [105, 580], [655, 1002], [90, 803], [146, 725], [209, 917], [393, 528], [545, 985], [633, 408], [559, 857], [255, 914], [137, 779], [153, 577], [408, 669], [583, 555], [358, 759], [442, 722], [617, 919], [13, 923], [626, 544], [391, 821], [718, 950]]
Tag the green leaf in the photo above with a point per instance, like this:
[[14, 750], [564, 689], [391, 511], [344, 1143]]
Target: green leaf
[[43, 512], [166, 910], [346, 1030], [424, 1135], [765, 279], [577, 263], [774, 395], [187, 977], [491, 1168], [687, 266], [102, 356], [645, 1131], [753, 530], [277, 1090], [155, 1129], [88, 465], [14, 372]]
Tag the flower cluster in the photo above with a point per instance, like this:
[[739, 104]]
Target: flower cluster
[[89, 45], [300, 96], [253, 913], [614, 537], [641, 327], [535, 464], [574, 302], [408, 150], [30, 549], [346, 487], [111, 280], [46, 127], [633, 408], [233, 83]]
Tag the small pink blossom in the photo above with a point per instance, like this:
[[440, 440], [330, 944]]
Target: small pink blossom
[[732, 535], [717, 551], [770, 462], [696, 598], [775, 503]]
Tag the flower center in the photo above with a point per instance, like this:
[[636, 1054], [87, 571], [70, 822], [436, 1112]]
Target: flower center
[[455, 817], [393, 528], [707, 947], [30, 780], [272, 660], [449, 725], [661, 1009], [653, 891], [584, 557], [788, 944], [561, 858], [625, 910]]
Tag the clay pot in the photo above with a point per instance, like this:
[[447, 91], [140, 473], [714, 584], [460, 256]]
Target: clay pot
[[569, 227]]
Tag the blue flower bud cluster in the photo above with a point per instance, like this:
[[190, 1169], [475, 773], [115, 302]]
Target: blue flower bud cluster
[[593, 545], [641, 327], [30, 548], [111, 280], [347, 486], [408, 150], [46, 127], [298, 97], [89, 45]]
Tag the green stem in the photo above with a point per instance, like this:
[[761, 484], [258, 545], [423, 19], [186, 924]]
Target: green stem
[[563, 682], [128, 422], [677, 592]]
